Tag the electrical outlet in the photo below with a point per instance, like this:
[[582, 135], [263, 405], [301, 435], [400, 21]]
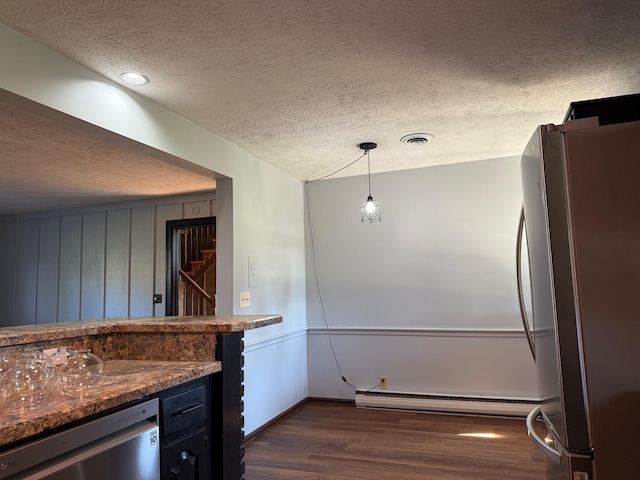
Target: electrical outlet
[[245, 299], [383, 383]]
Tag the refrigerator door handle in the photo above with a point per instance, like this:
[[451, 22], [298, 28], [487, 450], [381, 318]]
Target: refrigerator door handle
[[550, 452], [523, 312]]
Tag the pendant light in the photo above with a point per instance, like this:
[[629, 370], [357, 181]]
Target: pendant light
[[370, 209]]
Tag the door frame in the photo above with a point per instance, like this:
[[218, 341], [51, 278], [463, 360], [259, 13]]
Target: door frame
[[173, 260]]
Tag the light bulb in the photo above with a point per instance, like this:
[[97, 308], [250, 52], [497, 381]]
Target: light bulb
[[134, 78], [370, 207]]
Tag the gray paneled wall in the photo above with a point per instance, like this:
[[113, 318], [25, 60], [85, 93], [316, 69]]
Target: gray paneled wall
[[70, 267], [8, 262], [101, 262]]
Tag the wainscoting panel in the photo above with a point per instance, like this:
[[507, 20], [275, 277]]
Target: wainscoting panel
[[142, 251], [93, 269], [70, 267], [48, 268], [461, 362], [8, 272], [274, 371], [117, 264], [27, 271]]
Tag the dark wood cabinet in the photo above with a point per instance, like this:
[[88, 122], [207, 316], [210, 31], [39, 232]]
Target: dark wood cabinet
[[202, 421], [187, 458], [186, 448]]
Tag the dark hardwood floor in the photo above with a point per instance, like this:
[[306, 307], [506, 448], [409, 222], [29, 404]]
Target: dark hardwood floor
[[338, 441]]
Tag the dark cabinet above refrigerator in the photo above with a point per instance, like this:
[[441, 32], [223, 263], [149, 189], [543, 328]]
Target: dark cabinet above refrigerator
[[611, 110]]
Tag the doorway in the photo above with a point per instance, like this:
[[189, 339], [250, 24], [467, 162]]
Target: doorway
[[191, 267]]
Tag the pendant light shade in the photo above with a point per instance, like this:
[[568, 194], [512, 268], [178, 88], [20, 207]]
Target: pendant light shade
[[370, 211]]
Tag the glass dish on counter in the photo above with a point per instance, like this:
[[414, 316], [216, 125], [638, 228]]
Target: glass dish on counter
[[80, 372], [26, 377]]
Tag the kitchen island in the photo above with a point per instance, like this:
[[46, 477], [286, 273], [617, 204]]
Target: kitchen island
[[143, 356]]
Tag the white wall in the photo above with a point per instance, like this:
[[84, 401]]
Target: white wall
[[269, 226], [259, 209], [427, 297]]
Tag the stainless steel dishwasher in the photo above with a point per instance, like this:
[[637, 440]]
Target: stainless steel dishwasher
[[124, 444]]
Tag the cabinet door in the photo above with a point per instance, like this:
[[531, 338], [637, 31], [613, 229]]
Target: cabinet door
[[187, 458]]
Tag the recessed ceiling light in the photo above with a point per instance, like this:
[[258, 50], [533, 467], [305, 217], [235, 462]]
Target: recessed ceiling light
[[134, 79], [417, 139]]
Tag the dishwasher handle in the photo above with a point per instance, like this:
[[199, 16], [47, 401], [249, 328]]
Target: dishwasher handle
[[549, 451]]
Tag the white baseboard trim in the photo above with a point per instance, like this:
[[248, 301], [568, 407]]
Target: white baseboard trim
[[504, 407]]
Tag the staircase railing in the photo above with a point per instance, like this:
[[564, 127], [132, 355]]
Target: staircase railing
[[194, 240], [204, 297], [197, 248]]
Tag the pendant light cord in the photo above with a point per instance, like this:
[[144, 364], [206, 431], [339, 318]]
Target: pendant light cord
[[317, 285], [337, 171], [314, 266], [369, 170]]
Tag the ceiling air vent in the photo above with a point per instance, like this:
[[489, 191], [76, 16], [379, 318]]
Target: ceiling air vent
[[417, 139]]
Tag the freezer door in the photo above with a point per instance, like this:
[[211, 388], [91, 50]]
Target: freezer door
[[560, 464], [554, 316], [543, 315]]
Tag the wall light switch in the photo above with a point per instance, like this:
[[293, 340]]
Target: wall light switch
[[253, 272], [245, 299]]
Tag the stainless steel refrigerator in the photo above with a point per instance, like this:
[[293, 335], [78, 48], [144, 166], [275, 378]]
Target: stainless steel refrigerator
[[581, 191]]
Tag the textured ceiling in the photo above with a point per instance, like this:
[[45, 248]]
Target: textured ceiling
[[299, 83], [48, 164]]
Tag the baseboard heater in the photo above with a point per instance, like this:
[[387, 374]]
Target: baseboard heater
[[504, 407]]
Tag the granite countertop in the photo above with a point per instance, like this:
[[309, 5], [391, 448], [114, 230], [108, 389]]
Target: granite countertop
[[142, 356], [123, 381], [56, 331]]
